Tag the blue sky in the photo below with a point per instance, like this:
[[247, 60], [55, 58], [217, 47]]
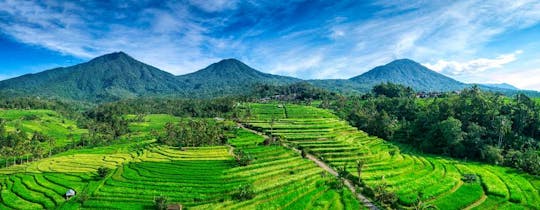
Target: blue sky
[[471, 40]]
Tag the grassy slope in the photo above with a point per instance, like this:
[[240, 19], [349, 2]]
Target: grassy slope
[[47, 122], [439, 179]]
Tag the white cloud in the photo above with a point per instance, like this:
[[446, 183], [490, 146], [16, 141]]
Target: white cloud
[[472, 66], [215, 5], [523, 79]]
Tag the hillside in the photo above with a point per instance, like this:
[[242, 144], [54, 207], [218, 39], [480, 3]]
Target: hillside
[[409, 73], [229, 76], [434, 180], [108, 77]]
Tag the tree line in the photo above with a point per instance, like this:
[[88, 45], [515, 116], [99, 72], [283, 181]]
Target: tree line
[[471, 124], [18, 146], [195, 133]]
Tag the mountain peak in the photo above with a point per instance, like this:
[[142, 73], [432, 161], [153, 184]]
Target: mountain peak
[[113, 56], [231, 64], [409, 73], [403, 61]]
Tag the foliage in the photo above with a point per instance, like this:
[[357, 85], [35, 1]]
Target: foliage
[[469, 178], [385, 197], [83, 197], [392, 90], [195, 133], [471, 124], [160, 202], [244, 192], [103, 172], [242, 158], [301, 92]]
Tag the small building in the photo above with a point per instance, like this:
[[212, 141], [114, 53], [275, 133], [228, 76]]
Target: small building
[[70, 193]]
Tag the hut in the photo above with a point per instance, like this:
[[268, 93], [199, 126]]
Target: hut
[[175, 206], [70, 193]]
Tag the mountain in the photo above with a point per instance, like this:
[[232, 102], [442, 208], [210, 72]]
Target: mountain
[[502, 85], [108, 77], [409, 73], [118, 76], [230, 76]]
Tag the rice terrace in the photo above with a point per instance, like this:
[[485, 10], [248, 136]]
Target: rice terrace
[[254, 104]]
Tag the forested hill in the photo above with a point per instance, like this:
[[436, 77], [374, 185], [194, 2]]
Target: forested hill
[[229, 77], [409, 73], [108, 77], [118, 76]]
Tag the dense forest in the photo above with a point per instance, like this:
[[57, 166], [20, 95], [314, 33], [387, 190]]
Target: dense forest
[[470, 124]]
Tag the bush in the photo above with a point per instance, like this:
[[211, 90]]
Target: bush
[[384, 196], [335, 184], [242, 158], [103, 172], [244, 192], [469, 178], [83, 197], [160, 202]]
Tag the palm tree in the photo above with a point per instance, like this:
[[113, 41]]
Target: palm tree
[[51, 142], [359, 165], [5, 152]]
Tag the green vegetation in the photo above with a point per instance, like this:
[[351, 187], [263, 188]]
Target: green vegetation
[[32, 134], [390, 170], [143, 174], [471, 125]]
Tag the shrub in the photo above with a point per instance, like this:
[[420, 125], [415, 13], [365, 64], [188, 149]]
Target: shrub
[[384, 196], [242, 158], [244, 192], [103, 172], [160, 202], [83, 197], [336, 184], [469, 178]]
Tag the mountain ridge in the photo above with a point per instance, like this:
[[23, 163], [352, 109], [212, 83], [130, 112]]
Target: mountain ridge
[[117, 76]]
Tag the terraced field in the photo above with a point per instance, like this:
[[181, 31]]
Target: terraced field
[[198, 178], [47, 122], [438, 179]]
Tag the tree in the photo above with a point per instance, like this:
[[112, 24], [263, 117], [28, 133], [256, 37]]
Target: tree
[[451, 133], [492, 154], [160, 202], [244, 192], [530, 162], [103, 172], [384, 196], [502, 126], [359, 166], [392, 90], [83, 197], [242, 158], [5, 152], [51, 142]]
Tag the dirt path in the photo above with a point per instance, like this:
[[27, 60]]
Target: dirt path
[[477, 203], [366, 202]]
